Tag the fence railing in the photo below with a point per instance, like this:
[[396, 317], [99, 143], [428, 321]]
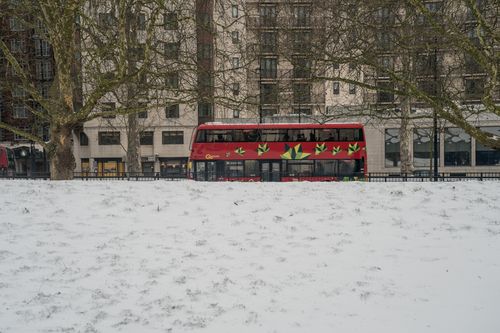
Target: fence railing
[[370, 177]]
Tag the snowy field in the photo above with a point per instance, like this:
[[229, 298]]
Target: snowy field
[[161, 256]]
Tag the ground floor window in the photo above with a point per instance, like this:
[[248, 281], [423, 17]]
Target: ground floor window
[[110, 167], [173, 167], [486, 155], [457, 147], [148, 168], [85, 166], [392, 154], [423, 146]]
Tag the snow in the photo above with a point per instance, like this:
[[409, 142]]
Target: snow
[[122, 256]]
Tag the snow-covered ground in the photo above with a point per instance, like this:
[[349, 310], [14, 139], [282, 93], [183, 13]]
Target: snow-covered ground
[[161, 256]]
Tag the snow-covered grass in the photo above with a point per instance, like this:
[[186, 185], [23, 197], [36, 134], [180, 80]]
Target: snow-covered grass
[[230, 257]]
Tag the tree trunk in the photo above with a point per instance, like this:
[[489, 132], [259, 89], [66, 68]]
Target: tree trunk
[[133, 163], [62, 160], [405, 137]]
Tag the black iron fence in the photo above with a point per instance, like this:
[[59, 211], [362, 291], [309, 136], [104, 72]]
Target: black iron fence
[[370, 177]]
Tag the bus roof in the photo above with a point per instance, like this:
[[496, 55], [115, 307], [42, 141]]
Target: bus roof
[[222, 126]]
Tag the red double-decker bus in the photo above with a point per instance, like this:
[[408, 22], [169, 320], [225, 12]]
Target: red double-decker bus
[[278, 152]]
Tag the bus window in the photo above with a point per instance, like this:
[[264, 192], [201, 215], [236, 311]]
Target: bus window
[[327, 134], [251, 168], [251, 135], [219, 136], [300, 168], [238, 136], [274, 135], [350, 134], [201, 136], [326, 167], [234, 169], [348, 167]]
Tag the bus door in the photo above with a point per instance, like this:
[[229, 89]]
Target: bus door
[[205, 170], [270, 171]]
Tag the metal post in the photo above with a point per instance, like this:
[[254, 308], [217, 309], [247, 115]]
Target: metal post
[[32, 156], [435, 122]]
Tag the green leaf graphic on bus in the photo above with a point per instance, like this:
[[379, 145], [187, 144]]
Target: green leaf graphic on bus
[[294, 153], [240, 151], [354, 148], [263, 148], [320, 148], [336, 150]]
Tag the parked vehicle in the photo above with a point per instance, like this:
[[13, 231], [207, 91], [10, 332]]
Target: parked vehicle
[[7, 161]]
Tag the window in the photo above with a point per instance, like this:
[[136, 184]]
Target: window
[[106, 20], [43, 70], [269, 112], [251, 168], [352, 89], [392, 154], [268, 68], [172, 111], [20, 111], [302, 16], [235, 37], [146, 138], [84, 139], [301, 110], [173, 167], [143, 114], [204, 51], [16, 24], [170, 21], [268, 93], [138, 53], [109, 138], [236, 113], [301, 41], [172, 80], [141, 22], [457, 147], [300, 168], [204, 110], [233, 169], [42, 48], [18, 92], [268, 41], [486, 155], [44, 89], [236, 88], [423, 147], [336, 88], [172, 137], [433, 8], [384, 40], [267, 15], [235, 61], [385, 92], [474, 88], [234, 11], [108, 110], [171, 51], [301, 93], [17, 46], [301, 68]]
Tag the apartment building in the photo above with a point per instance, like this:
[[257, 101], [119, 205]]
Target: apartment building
[[289, 81], [23, 38]]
